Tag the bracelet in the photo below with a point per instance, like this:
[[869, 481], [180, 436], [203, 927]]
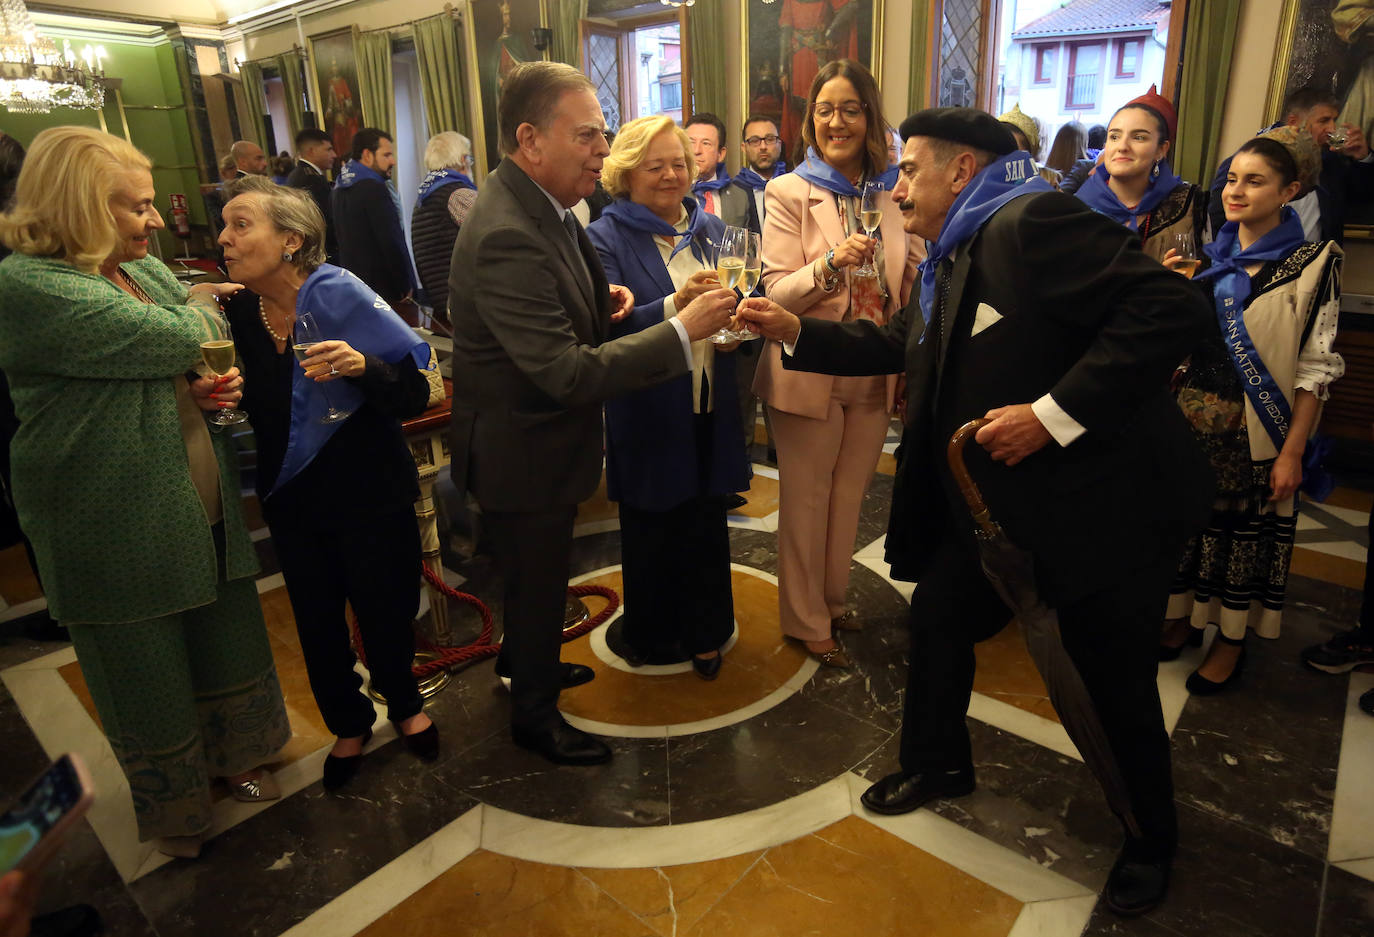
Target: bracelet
[[829, 279], [829, 261]]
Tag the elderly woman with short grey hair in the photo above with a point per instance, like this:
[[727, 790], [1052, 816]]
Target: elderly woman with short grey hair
[[446, 196], [335, 477]]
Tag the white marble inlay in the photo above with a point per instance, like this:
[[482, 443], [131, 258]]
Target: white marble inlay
[[646, 847], [268, 583], [768, 524], [1028, 725], [985, 860], [396, 881], [874, 550], [1063, 917], [588, 528], [23, 609], [1352, 816], [1364, 868], [883, 569], [1346, 549], [1306, 522], [767, 471], [1351, 516]]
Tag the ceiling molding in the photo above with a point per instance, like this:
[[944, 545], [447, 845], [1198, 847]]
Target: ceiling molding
[[93, 29], [281, 13]]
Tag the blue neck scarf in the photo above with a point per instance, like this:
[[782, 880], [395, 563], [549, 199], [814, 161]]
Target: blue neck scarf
[[753, 181], [345, 308], [439, 178], [1002, 180], [640, 218], [1229, 293], [1100, 198], [354, 172], [718, 182], [818, 172]]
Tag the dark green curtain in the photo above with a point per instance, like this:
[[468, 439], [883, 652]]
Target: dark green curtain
[[1207, 48], [564, 16], [441, 73], [289, 65], [919, 87], [706, 41], [255, 106], [373, 52]]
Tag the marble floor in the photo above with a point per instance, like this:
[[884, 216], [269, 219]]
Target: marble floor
[[731, 808]]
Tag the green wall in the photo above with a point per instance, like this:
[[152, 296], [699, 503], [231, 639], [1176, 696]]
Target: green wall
[[150, 78]]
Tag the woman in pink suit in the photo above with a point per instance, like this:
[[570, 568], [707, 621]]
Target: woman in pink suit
[[829, 430]]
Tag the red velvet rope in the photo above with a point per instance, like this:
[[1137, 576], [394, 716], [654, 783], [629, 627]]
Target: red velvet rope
[[484, 646]]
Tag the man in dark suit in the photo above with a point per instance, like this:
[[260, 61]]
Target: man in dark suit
[[314, 159], [531, 313], [367, 219], [1347, 177], [1048, 320]]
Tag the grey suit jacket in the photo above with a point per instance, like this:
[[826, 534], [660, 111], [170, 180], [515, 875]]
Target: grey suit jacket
[[531, 360], [735, 206]]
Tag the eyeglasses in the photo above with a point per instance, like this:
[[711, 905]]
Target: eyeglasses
[[849, 112], [755, 141]]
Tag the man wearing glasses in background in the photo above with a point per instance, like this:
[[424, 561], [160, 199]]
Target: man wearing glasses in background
[[742, 205]]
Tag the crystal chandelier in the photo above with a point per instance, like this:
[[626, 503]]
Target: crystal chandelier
[[34, 76]]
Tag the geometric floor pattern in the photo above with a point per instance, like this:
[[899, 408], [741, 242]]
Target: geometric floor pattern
[[731, 808]]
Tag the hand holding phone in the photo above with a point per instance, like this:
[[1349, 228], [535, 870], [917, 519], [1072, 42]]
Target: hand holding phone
[[33, 828]]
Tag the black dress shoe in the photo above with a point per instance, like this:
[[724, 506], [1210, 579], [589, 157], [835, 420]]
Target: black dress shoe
[[423, 744], [339, 771], [573, 675], [903, 793], [635, 658], [1198, 685], [80, 920], [707, 668], [1137, 882], [563, 745], [735, 501], [1168, 652]]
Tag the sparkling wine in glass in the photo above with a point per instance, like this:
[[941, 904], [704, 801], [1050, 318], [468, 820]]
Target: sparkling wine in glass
[[1184, 245], [307, 336], [730, 269], [870, 216], [1338, 138], [753, 269], [218, 355]]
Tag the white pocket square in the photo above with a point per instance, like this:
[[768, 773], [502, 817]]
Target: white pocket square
[[985, 317]]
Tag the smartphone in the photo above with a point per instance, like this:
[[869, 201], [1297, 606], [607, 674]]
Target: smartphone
[[33, 828]]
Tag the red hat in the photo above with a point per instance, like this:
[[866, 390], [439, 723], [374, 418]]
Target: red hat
[[1153, 100]]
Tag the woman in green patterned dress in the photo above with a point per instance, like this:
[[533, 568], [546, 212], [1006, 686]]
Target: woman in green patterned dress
[[133, 506]]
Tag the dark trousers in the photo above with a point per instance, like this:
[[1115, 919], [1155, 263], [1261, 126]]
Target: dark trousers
[[374, 566], [677, 576], [1112, 636], [1367, 606], [533, 551]]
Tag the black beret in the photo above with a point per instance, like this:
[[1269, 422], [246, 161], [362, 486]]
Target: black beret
[[966, 125]]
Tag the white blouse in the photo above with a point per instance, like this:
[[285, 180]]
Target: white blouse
[[680, 270]]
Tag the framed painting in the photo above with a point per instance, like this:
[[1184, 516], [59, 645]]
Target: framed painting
[[1330, 44], [498, 39], [337, 99], [785, 42]]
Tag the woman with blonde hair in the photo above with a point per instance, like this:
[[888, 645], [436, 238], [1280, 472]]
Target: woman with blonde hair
[[672, 451], [132, 504], [446, 195], [830, 430]]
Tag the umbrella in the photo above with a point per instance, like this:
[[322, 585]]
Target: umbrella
[[1011, 571]]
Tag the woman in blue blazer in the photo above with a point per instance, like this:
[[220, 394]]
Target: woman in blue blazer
[[672, 451]]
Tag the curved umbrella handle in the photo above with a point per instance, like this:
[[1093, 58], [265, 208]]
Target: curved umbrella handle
[[967, 487]]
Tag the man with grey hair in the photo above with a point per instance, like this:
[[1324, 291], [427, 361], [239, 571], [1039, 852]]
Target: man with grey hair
[[532, 364], [249, 158], [446, 196]]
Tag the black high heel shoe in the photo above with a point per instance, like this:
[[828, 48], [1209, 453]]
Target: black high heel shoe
[[339, 771], [423, 744], [1198, 685], [1168, 652]]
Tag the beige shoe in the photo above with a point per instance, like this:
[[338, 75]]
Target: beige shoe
[[263, 787], [181, 847], [849, 621]]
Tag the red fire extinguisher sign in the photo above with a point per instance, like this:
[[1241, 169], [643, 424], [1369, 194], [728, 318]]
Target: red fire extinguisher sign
[[181, 216]]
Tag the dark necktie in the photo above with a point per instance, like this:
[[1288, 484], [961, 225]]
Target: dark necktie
[[570, 222]]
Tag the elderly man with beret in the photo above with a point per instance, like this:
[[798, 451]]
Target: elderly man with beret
[[1045, 318]]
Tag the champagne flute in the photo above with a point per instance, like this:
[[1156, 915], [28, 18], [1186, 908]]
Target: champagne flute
[[753, 269], [1184, 246], [307, 336], [870, 216], [730, 269], [1337, 138], [218, 355]]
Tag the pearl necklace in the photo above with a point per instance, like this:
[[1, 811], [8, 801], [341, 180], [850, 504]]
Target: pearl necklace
[[262, 314]]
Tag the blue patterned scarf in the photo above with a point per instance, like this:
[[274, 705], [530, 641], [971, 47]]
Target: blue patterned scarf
[[754, 182], [640, 218], [714, 184], [439, 178], [817, 171]]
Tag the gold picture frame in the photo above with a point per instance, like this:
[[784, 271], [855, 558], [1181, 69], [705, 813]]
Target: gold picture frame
[[485, 29], [334, 89]]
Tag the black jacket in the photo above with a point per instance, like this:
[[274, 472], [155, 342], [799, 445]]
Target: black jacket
[[1086, 316], [305, 176], [371, 243]]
